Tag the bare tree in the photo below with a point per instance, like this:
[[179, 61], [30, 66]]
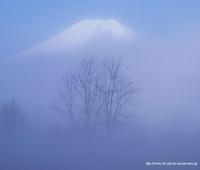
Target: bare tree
[[116, 90], [95, 92], [67, 97], [79, 96], [86, 80]]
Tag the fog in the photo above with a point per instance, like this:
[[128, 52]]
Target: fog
[[164, 122]]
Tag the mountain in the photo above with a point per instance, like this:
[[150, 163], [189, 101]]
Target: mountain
[[81, 34], [34, 76], [167, 73]]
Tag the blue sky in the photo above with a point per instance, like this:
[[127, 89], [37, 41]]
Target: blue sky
[[25, 23]]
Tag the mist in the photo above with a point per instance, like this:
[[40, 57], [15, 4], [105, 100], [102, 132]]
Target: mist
[[164, 121]]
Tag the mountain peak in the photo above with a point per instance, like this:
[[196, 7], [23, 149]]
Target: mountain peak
[[82, 33]]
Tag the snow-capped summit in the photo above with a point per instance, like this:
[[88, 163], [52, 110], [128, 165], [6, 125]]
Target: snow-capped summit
[[82, 33]]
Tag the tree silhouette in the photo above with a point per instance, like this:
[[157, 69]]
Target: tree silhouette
[[96, 92], [11, 116]]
